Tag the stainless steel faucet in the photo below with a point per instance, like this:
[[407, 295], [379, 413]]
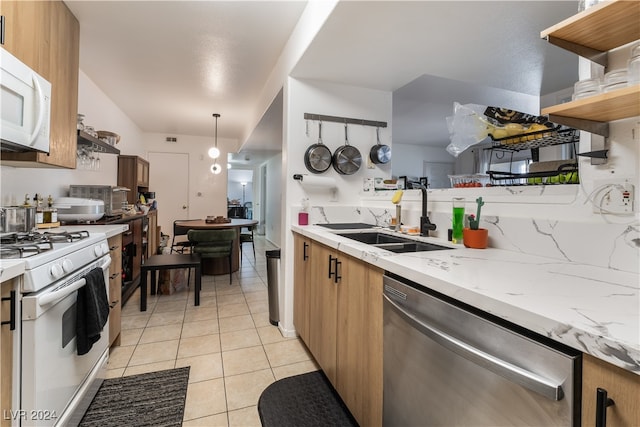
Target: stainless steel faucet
[[425, 224]]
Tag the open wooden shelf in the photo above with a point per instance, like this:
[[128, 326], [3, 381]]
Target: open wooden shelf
[[602, 27], [604, 107], [95, 144]]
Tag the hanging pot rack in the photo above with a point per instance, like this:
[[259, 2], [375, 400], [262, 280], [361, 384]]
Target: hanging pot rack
[[344, 120]]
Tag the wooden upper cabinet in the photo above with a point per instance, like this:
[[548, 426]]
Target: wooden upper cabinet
[[133, 173], [46, 36], [27, 32]]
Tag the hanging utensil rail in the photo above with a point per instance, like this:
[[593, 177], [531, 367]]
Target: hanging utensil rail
[[345, 120]]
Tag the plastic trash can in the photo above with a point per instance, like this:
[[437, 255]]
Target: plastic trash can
[[273, 279]]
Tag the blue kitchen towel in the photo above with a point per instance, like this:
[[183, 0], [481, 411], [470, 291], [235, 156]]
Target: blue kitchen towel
[[92, 310]]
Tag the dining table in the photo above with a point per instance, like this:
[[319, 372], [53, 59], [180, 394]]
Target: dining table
[[215, 266]]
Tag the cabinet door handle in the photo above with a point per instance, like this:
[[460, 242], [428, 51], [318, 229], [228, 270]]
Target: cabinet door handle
[[602, 403], [12, 313], [2, 24], [331, 273], [337, 276], [304, 251]]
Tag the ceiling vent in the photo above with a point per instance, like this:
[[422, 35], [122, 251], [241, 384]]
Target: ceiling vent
[[171, 140]]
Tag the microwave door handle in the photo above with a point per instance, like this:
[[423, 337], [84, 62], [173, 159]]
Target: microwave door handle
[[41, 110]]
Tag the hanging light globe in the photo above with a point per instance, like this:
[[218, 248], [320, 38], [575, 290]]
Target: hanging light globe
[[214, 152], [216, 169]]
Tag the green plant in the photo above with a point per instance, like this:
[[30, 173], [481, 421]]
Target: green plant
[[474, 220]]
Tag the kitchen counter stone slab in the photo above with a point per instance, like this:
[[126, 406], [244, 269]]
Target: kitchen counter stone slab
[[593, 309], [11, 268], [109, 230]]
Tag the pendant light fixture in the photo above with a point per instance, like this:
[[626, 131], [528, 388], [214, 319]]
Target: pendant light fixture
[[214, 152], [216, 168]]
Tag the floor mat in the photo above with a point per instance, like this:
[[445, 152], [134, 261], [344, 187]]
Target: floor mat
[[303, 400], [153, 399]]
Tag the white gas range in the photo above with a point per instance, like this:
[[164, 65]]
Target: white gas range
[[56, 383]]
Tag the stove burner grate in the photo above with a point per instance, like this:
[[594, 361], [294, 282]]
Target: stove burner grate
[[23, 245], [66, 236], [24, 250]]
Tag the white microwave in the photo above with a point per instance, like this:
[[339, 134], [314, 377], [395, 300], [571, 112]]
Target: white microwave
[[26, 106]]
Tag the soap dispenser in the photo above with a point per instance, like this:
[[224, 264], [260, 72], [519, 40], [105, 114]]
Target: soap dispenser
[[303, 215]]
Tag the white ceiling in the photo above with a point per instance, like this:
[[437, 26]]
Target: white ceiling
[[170, 64]]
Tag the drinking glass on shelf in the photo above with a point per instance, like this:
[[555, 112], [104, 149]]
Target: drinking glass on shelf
[[92, 161], [82, 158]]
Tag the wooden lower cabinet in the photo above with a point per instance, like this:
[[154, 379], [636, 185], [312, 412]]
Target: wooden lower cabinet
[[301, 280], [7, 339], [115, 289], [622, 386], [323, 310], [345, 326], [359, 350]]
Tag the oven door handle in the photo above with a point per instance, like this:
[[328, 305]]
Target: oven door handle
[[60, 294]]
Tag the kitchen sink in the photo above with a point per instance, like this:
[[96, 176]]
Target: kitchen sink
[[375, 238], [346, 225], [396, 244]]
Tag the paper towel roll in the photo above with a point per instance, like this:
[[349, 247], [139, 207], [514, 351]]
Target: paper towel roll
[[318, 181]]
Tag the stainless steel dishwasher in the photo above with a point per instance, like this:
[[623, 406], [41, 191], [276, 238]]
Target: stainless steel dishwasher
[[447, 364]]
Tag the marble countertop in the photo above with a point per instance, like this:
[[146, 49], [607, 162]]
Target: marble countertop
[[593, 309], [109, 230], [10, 268]]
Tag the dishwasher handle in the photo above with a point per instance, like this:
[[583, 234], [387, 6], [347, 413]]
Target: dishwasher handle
[[516, 374]]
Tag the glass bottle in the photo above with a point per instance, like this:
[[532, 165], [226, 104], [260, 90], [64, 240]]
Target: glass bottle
[[50, 213], [54, 211], [39, 210]]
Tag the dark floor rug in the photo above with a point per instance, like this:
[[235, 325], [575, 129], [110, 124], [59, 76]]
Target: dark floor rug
[[304, 400], [153, 399]]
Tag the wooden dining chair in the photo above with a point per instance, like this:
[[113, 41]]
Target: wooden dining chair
[[213, 244]]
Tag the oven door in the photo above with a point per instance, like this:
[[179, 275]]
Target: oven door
[[53, 375]]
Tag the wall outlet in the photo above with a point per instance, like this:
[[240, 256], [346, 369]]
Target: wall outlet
[[614, 197]]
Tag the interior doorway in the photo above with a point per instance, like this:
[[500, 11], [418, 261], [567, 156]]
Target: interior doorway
[[172, 189], [240, 194]]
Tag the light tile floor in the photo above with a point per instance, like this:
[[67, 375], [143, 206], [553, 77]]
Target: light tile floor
[[233, 350]]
